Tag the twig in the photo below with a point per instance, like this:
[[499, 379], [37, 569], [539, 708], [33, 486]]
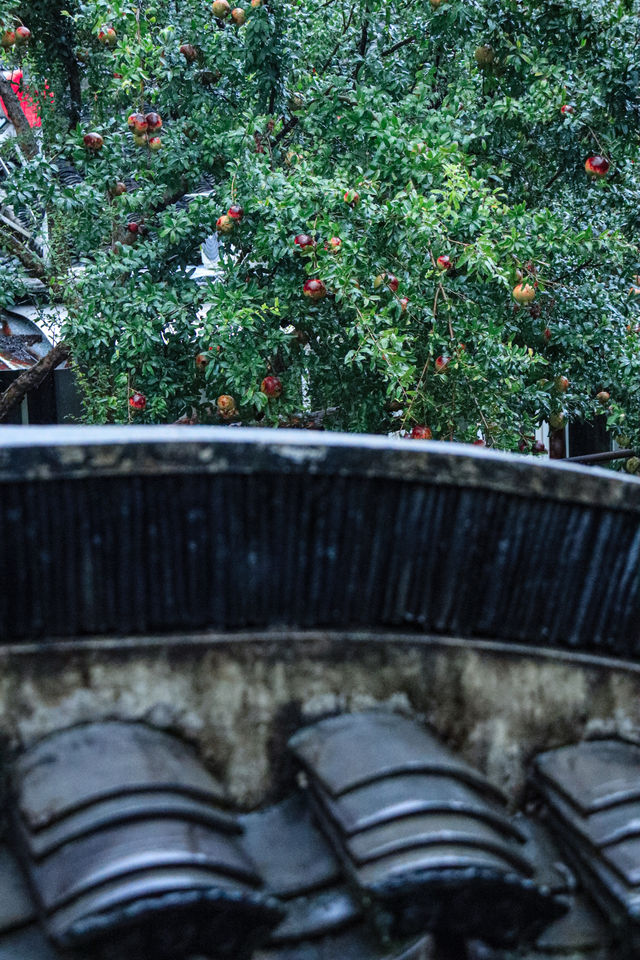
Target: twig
[[382, 353], [291, 123], [419, 384], [603, 457], [398, 46], [574, 270], [553, 178], [339, 41], [487, 430]]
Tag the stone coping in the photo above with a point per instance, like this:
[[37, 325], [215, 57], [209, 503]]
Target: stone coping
[[47, 453]]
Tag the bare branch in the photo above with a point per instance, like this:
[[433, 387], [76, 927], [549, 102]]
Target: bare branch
[[287, 128], [31, 379], [398, 46], [29, 260], [339, 42], [362, 47]]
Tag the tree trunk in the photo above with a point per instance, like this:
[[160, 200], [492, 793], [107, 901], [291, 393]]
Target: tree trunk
[[31, 379], [26, 139]]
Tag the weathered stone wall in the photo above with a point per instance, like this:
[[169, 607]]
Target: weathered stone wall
[[239, 699]]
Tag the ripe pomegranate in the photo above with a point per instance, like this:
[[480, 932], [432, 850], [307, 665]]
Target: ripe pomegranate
[[444, 262], [137, 401], [523, 293], [235, 212], [441, 364], [93, 141], [271, 387], [224, 224], [420, 432], [138, 122], [314, 289], [226, 406], [304, 243], [221, 9], [597, 166], [108, 37], [189, 52]]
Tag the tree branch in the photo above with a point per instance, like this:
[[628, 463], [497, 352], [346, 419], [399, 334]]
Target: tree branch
[[26, 140], [30, 261], [309, 421], [553, 178], [573, 270], [398, 46], [362, 47], [287, 128], [31, 379], [346, 26], [74, 80], [327, 62]]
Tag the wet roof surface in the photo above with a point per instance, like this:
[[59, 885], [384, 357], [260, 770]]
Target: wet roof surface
[[284, 882], [22, 340]]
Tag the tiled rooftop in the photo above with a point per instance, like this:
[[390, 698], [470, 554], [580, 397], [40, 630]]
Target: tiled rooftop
[[120, 843]]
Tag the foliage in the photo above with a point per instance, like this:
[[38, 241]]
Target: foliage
[[310, 99]]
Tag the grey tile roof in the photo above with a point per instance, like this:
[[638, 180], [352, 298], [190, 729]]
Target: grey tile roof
[[142, 869]]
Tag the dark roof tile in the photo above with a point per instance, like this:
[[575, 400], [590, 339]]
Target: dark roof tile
[[351, 750], [289, 851], [419, 833], [16, 902], [74, 768], [595, 775]]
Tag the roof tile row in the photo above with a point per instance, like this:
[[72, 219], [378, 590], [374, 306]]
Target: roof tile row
[[391, 848]]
